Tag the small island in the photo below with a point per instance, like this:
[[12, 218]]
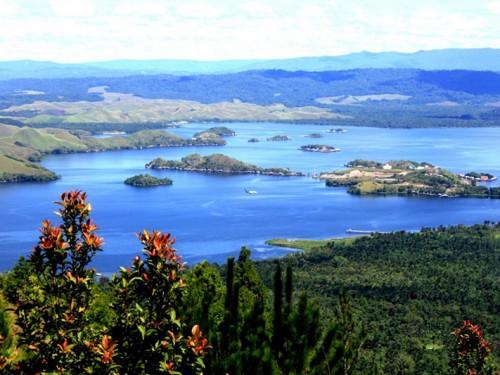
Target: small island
[[404, 177], [146, 180], [279, 138], [254, 140], [319, 148], [217, 163], [220, 131], [314, 135]]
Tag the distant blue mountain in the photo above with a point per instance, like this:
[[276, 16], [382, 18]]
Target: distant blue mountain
[[483, 59]]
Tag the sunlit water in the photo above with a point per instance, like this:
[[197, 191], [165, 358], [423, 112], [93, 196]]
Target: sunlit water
[[211, 215]]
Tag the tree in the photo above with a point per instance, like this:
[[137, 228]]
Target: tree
[[53, 301], [150, 335]]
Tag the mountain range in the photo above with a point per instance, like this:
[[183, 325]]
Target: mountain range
[[478, 59]]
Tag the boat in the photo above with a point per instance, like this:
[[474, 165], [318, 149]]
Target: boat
[[338, 131], [251, 192]]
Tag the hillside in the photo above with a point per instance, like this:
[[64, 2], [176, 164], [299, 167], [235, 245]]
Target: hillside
[[126, 108], [370, 97], [409, 289]]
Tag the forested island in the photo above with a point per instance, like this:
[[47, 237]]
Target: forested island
[[279, 138], [22, 147], [217, 163], [221, 131], [146, 180], [314, 135], [404, 177], [319, 148], [397, 303]]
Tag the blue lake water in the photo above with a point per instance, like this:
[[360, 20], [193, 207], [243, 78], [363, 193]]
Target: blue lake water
[[212, 217]]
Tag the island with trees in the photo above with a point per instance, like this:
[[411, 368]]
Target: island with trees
[[314, 135], [404, 177], [253, 140], [217, 163], [146, 180], [221, 131], [279, 138], [319, 148]]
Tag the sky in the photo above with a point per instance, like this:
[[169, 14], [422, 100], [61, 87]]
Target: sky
[[98, 30]]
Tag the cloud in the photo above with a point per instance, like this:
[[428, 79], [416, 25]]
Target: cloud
[[72, 8], [494, 6], [256, 9], [84, 30], [143, 8], [9, 8]]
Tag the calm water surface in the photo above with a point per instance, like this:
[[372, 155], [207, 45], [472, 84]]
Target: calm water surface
[[211, 216]]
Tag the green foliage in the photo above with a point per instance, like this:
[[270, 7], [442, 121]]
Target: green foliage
[[8, 352], [204, 299]]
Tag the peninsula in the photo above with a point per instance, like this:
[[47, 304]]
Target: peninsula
[[366, 177], [217, 163]]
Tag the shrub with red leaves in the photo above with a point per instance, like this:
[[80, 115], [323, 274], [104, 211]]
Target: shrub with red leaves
[[471, 349], [151, 336]]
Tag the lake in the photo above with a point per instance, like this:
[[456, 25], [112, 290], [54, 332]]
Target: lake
[[211, 215]]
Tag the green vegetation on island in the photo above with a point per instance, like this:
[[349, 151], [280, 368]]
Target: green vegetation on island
[[217, 163], [319, 148], [22, 147], [146, 180], [279, 138], [314, 135], [398, 303], [366, 177], [221, 131], [253, 140]]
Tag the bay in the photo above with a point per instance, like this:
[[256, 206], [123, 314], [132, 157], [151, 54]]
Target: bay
[[211, 215]]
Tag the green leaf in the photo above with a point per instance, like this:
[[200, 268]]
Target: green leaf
[[142, 330]]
